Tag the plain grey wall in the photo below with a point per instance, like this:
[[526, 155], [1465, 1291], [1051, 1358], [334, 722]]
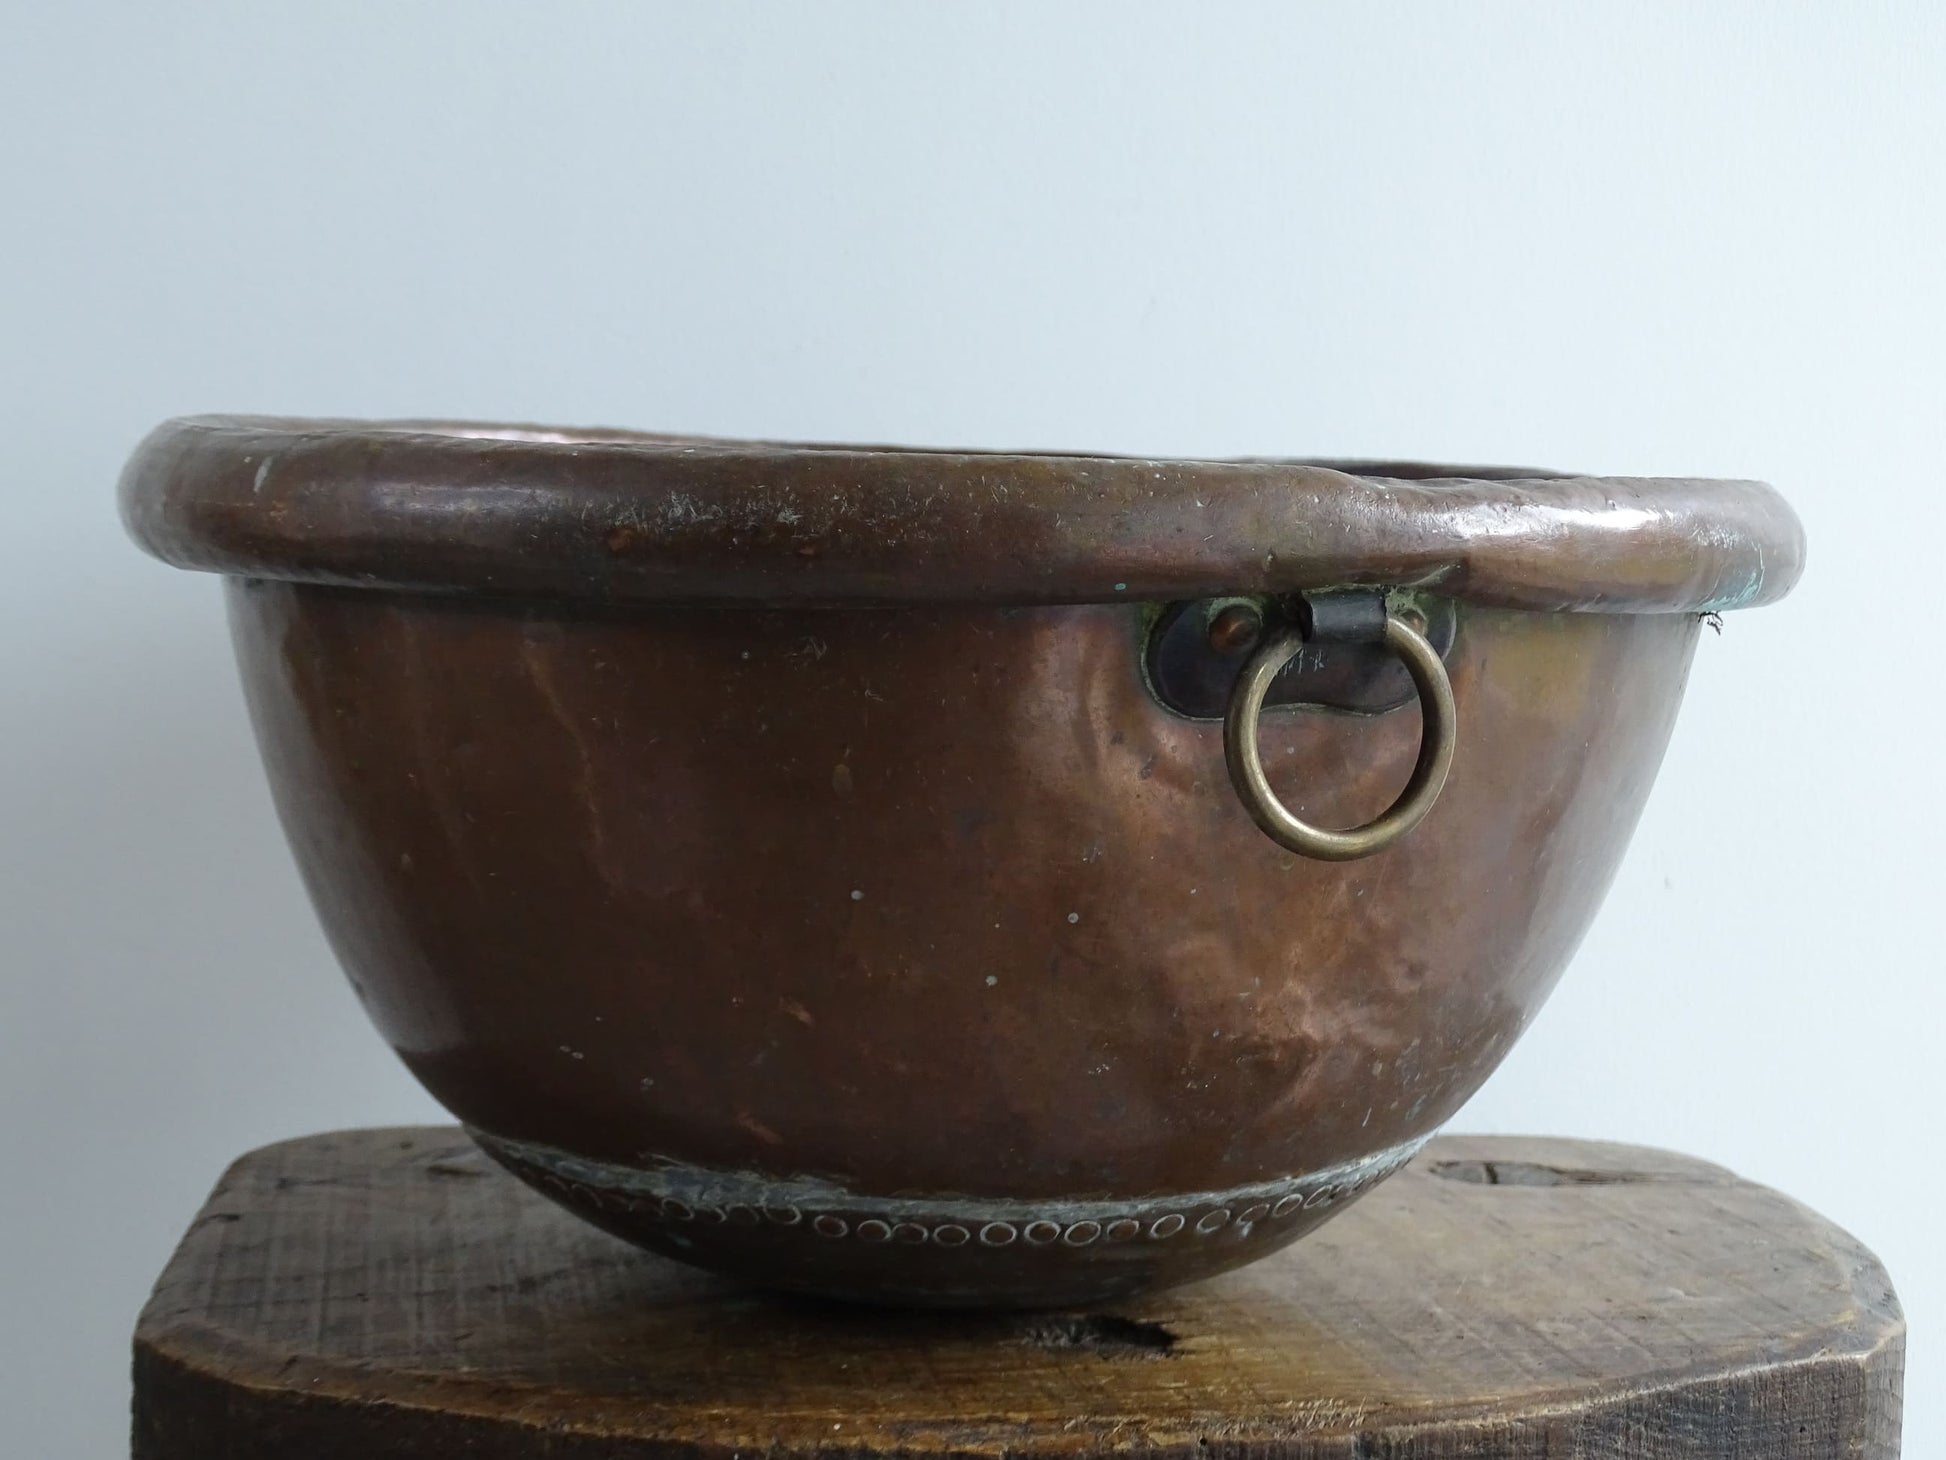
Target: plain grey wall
[[1631, 238]]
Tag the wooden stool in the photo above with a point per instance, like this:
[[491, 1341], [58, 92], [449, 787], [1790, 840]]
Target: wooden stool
[[389, 1293]]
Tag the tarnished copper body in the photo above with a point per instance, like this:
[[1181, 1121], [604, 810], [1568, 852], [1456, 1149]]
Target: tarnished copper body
[[928, 906]]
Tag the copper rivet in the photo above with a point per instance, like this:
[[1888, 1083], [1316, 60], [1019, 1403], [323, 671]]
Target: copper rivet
[[1235, 630]]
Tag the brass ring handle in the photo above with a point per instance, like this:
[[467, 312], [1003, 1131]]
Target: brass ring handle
[[1436, 739]]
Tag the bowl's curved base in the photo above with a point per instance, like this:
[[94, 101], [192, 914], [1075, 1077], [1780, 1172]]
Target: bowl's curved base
[[813, 1236]]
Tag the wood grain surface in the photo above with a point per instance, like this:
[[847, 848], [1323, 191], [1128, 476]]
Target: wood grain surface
[[389, 1293]]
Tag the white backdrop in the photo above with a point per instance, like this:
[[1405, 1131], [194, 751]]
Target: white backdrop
[[1634, 238]]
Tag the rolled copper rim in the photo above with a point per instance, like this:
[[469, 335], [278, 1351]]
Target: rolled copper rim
[[621, 516]]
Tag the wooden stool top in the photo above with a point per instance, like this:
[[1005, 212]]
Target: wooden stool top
[[389, 1293]]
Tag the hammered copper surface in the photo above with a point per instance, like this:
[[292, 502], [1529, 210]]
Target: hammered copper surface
[[934, 899]]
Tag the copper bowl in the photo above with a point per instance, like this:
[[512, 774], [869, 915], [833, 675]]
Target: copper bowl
[[819, 864]]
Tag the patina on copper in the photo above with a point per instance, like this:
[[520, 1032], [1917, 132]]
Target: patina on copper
[[616, 515], [690, 869]]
